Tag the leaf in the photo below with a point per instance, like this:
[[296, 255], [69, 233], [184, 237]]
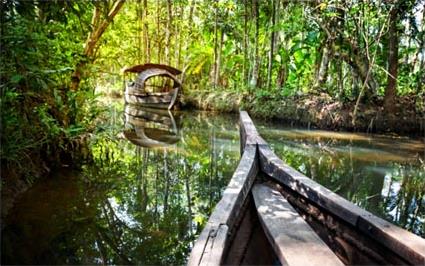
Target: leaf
[[16, 78]]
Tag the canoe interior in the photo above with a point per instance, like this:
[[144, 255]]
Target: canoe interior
[[234, 235], [249, 244]]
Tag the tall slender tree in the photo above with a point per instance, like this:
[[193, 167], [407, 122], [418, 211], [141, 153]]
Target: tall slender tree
[[272, 42], [99, 26], [256, 57]]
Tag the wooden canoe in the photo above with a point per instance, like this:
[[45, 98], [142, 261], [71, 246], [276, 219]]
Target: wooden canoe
[[137, 92], [272, 214]]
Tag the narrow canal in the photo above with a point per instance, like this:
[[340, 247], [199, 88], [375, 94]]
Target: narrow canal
[[147, 191]]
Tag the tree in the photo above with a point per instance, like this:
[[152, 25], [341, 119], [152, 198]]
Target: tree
[[272, 42], [390, 91], [98, 28], [256, 58]]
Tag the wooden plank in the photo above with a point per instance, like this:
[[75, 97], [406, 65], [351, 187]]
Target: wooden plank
[[238, 189], [198, 249], [284, 174], [131, 98], [248, 132], [242, 235], [228, 208], [407, 245], [213, 254], [410, 246], [293, 240]]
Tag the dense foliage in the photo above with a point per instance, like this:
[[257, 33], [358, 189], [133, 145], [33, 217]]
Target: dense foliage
[[41, 46], [56, 54], [275, 49], [267, 56]]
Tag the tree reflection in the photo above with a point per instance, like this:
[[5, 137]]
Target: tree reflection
[[388, 184], [132, 205]]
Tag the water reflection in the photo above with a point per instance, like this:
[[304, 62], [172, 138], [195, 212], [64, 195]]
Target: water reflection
[[385, 175], [131, 204], [136, 205], [148, 127]]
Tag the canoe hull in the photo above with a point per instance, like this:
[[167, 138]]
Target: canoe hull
[[353, 235], [158, 100]]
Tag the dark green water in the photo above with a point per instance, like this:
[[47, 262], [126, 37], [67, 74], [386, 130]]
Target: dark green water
[[382, 174], [131, 204], [136, 205]]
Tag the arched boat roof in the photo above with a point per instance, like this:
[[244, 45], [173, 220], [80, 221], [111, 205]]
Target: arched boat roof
[[141, 68]]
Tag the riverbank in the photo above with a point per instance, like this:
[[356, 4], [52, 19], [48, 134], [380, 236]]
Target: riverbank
[[17, 180], [318, 111]]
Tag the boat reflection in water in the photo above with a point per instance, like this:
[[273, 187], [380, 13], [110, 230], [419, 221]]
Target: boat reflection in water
[[149, 127]]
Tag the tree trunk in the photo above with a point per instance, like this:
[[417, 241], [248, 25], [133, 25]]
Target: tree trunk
[[98, 28], [255, 69], [272, 42], [186, 44], [147, 48], [322, 71], [282, 75], [180, 39], [281, 41], [339, 64], [218, 63], [390, 91], [360, 64], [245, 44], [158, 31], [168, 32], [139, 37], [215, 47]]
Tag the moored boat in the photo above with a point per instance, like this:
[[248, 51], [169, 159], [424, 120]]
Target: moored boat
[[155, 86], [272, 214]]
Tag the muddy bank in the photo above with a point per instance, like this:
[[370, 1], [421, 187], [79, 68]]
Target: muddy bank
[[320, 111]]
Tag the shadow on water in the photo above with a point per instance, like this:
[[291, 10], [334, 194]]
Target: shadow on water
[[134, 204], [383, 174]]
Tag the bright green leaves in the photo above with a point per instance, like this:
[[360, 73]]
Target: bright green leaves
[[40, 43]]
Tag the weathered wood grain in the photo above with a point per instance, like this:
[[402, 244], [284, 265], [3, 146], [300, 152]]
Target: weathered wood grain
[[226, 211], [257, 157], [293, 240], [148, 99], [248, 132], [407, 245], [216, 244]]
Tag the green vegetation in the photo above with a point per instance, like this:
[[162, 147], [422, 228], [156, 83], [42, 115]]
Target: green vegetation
[[357, 65], [271, 52], [44, 112], [260, 55], [130, 205]]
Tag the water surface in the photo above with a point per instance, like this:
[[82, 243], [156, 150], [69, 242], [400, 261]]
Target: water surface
[[382, 174], [129, 204], [152, 181]]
